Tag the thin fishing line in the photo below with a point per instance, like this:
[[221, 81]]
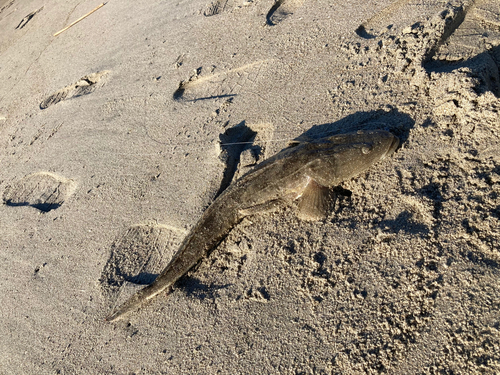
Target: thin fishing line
[[249, 143]]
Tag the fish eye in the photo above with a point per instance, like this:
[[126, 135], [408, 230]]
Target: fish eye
[[366, 148]]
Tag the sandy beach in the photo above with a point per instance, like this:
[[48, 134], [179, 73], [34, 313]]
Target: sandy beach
[[118, 133]]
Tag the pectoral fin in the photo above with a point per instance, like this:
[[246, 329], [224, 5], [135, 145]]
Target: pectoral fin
[[315, 201]]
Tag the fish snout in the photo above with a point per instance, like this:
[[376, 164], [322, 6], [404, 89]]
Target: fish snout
[[392, 147]]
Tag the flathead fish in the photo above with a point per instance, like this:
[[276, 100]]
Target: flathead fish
[[305, 172]]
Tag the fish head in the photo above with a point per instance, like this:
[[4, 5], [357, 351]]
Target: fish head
[[344, 156]]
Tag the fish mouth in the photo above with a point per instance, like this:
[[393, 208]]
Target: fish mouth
[[394, 145]]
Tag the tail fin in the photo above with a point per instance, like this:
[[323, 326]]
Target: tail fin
[[134, 302]]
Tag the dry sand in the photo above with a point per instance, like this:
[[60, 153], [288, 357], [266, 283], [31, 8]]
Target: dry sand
[[110, 150]]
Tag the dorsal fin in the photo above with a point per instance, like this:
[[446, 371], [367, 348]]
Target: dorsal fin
[[314, 203]]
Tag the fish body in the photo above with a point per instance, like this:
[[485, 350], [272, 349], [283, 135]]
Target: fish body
[[305, 172]]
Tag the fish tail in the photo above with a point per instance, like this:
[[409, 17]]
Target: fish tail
[[134, 302]]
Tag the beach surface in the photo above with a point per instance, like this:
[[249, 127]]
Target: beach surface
[[117, 134]]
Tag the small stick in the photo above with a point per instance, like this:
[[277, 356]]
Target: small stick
[[79, 19]]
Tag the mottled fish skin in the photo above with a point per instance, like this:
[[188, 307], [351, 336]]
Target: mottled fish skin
[[305, 171]]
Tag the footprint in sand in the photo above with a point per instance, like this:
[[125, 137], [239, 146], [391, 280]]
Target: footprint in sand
[[136, 258], [84, 86], [241, 148], [235, 142], [257, 151], [44, 191], [209, 83], [281, 10]]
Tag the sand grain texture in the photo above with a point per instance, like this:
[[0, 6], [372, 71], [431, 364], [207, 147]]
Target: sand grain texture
[[402, 277]]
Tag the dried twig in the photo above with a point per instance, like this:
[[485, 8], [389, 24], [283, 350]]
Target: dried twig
[[79, 19]]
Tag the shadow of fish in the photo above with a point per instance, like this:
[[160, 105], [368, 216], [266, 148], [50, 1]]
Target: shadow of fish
[[305, 172]]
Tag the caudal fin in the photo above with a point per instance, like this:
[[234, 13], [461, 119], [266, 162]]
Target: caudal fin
[[134, 302]]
